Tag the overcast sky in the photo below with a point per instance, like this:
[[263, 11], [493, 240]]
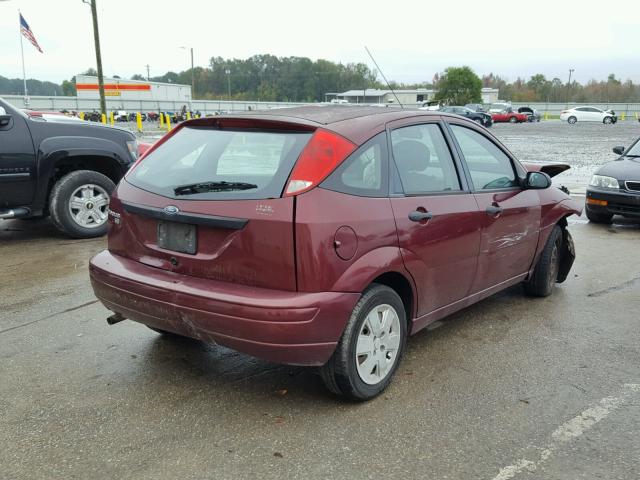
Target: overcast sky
[[411, 40]]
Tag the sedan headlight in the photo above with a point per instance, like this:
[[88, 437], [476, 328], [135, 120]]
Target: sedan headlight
[[132, 145], [603, 181]]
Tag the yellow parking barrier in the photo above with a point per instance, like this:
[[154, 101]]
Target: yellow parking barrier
[[622, 117], [81, 115], [546, 115], [161, 117], [139, 121], [104, 119], [168, 123], [636, 115], [188, 115], [111, 119]]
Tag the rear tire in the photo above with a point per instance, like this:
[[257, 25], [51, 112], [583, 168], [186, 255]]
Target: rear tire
[[513, 120], [479, 121], [595, 217], [545, 273], [78, 203], [370, 348], [572, 120]]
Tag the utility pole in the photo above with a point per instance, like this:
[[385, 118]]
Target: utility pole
[[193, 78], [569, 85], [228, 72], [148, 76], [96, 38]]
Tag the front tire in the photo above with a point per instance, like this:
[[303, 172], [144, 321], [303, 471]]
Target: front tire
[[513, 120], [371, 346], [545, 274], [607, 120], [79, 202]]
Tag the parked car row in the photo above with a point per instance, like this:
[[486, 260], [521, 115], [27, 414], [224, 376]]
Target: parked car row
[[505, 112]]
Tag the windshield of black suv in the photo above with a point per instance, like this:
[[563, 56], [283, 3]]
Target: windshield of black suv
[[203, 163]]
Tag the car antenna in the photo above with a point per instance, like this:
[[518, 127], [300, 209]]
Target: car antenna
[[385, 78]]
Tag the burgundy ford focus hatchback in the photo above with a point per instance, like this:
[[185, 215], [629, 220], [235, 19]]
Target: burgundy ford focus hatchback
[[326, 235]]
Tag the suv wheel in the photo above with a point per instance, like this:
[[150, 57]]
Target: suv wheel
[[371, 346], [545, 274], [79, 202]]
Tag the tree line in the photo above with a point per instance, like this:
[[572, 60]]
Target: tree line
[[300, 79]]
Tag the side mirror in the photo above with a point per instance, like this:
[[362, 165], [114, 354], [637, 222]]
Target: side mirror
[[537, 181], [618, 150], [5, 120]]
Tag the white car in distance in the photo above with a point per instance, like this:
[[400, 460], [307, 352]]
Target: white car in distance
[[587, 114]]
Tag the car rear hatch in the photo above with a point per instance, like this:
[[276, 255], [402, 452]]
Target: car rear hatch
[[208, 201]]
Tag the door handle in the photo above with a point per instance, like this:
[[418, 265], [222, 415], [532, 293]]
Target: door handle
[[418, 216], [493, 210]]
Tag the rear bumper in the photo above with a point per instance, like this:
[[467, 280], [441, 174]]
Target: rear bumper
[[618, 203], [280, 326]]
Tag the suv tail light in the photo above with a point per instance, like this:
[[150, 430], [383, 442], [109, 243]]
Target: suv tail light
[[324, 152]]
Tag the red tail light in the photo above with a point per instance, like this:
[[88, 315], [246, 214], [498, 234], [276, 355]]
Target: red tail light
[[564, 111], [324, 152]]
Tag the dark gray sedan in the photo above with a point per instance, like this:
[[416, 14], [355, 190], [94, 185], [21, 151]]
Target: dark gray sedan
[[614, 189]]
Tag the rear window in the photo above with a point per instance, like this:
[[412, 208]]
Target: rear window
[[260, 161]]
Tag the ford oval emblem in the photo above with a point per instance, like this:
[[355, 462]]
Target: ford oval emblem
[[171, 210]]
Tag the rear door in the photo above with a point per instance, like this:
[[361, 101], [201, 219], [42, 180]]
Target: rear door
[[511, 215], [208, 203], [17, 161], [436, 216]]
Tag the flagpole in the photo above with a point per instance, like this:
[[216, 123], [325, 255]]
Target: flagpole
[[24, 75]]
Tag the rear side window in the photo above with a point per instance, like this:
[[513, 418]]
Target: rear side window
[[260, 160], [364, 173], [489, 166], [423, 160]]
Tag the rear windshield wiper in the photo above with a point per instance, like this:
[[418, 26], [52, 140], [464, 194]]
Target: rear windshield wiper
[[212, 187]]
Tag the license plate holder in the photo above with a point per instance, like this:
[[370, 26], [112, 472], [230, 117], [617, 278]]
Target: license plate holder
[[178, 237]]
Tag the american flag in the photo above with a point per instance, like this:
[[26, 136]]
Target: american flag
[[26, 31]]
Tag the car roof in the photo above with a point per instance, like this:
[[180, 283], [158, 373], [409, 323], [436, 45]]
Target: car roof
[[329, 114], [357, 123]]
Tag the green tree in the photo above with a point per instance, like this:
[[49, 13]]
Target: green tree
[[459, 85]]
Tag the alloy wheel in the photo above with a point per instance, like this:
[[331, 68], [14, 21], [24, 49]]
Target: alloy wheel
[[88, 205], [378, 344]]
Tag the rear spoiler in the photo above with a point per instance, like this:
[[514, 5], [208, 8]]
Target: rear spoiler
[[551, 169]]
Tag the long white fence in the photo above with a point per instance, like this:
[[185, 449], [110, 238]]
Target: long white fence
[[624, 110]]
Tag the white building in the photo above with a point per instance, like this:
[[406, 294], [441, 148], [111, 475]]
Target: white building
[[119, 88], [408, 97]]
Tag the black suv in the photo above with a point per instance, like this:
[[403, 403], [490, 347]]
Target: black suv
[[51, 165], [478, 117]]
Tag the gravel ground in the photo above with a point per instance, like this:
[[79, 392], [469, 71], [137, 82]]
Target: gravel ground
[[584, 146]]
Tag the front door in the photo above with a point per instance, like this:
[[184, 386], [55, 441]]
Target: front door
[[436, 216], [17, 160], [511, 222]]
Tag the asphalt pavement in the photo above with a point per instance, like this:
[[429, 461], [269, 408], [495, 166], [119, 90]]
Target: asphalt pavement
[[512, 387]]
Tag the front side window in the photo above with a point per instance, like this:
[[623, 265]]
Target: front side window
[[489, 166], [423, 160]]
